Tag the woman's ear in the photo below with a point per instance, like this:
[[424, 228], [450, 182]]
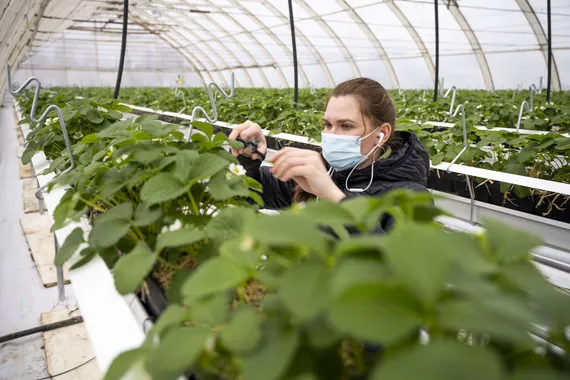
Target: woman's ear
[[384, 133]]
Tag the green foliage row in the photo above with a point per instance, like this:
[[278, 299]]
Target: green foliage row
[[420, 302]]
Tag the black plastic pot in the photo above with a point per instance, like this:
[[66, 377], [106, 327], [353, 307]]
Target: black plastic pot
[[442, 181], [155, 302], [562, 215], [526, 204]]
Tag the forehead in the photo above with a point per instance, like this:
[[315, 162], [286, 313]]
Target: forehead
[[343, 107]]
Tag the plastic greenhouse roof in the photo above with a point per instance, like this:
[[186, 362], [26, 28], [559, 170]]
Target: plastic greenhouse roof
[[487, 44]]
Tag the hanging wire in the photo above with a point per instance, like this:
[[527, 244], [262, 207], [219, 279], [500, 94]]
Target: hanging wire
[[529, 106], [199, 109], [15, 90]]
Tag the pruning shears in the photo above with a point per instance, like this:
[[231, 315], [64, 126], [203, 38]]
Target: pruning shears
[[250, 148]]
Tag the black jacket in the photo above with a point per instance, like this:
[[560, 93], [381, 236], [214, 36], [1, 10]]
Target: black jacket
[[408, 167]]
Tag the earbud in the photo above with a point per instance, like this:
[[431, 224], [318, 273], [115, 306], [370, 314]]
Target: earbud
[[380, 138]]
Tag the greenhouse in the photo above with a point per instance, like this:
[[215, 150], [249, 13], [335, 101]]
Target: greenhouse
[[285, 189]]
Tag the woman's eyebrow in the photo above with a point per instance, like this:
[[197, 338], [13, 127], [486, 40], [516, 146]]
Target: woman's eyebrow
[[339, 121]]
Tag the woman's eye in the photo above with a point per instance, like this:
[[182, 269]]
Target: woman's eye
[[346, 126], [327, 125]]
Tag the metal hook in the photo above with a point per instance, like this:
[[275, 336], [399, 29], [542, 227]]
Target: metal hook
[[472, 195], [403, 94], [15, 91], [465, 141], [446, 95], [212, 102], [529, 106]]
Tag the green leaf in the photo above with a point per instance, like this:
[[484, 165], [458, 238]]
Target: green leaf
[[131, 269], [243, 333], [146, 215], [86, 256], [179, 238], [211, 310], [122, 108], [229, 222], [328, 213], [253, 184], [440, 360], [359, 245], [353, 272], [293, 230], [272, 359], [29, 154], [221, 189], [184, 161], [236, 144], [64, 253], [171, 317], [174, 293], [128, 365], [176, 352], [161, 188], [111, 226], [215, 275], [366, 313], [205, 166], [304, 289], [423, 262], [115, 115], [94, 116], [147, 155], [207, 128], [521, 191], [537, 374], [509, 244]]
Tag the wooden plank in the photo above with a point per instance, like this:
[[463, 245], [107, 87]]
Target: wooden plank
[[20, 151], [36, 228], [69, 347], [25, 170], [31, 203]]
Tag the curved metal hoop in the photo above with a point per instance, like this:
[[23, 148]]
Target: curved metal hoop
[[464, 127], [446, 95], [198, 109], [15, 90], [529, 106]]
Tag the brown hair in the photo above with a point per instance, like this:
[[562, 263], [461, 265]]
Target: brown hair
[[375, 104]]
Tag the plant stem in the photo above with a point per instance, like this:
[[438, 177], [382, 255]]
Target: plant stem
[[194, 206], [88, 203]]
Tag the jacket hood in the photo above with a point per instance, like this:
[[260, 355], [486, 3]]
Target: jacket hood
[[410, 163]]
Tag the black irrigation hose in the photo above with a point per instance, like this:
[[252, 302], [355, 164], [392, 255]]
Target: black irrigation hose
[[549, 51], [48, 327], [123, 48], [294, 43], [435, 89], [69, 370]]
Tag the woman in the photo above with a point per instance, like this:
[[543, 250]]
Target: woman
[[362, 154]]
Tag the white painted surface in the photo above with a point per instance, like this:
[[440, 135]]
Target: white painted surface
[[112, 324], [22, 295]]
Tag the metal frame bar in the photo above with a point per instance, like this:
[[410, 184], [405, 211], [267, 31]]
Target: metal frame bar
[[542, 40], [415, 36], [271, 35], [453, 8], [303, 39], [332, 34], [237, 42], [373, 40]]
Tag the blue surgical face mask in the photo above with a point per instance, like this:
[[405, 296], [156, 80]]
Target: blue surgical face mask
[[342, 152]]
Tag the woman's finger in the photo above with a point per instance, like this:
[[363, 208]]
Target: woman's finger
[[285, 165], [297, 171]]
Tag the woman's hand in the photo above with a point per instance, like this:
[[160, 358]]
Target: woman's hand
[[249, 131], [305, 167]]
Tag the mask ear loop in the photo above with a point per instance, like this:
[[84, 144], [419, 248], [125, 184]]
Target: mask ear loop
[[355, 190]]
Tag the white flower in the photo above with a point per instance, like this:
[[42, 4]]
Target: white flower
[[407, 110], [526, 117], [479, 106], [515, 107], [542, 108], [237, 169], [467, 102], [205, 180], [546, 119], [77, 135], [112, 148], [263, 257], [551, 103], [175, 226], [247, 244]]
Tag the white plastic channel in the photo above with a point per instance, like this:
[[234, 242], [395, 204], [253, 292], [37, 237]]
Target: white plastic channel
[[533, 183], [114, 322]]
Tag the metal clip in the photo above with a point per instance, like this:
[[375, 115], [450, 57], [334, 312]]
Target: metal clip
[[463, 126], [14, 90], [529, 106], [213, 103], [446, 95]]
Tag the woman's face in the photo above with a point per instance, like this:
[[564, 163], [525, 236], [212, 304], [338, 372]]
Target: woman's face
[[343, 117]]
